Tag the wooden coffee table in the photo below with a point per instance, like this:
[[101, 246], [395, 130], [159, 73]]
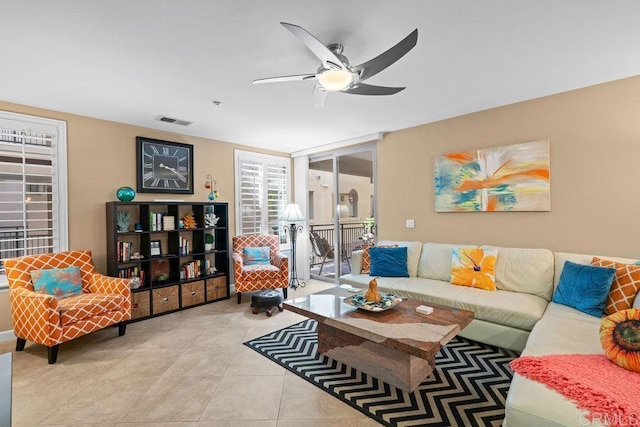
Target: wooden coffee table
[[397, 346]]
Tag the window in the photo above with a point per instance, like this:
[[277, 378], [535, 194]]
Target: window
[[33, 187], [262, 188]]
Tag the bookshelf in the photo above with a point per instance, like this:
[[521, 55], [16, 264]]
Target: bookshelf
[[164, 244]]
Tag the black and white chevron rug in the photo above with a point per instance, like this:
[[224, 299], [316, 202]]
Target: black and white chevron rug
[[468, 387]]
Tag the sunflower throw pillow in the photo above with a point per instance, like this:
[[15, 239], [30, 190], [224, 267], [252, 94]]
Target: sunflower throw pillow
[[620, 338], [474, 267]]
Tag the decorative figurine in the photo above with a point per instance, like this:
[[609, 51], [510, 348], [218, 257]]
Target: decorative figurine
[[122, 219], [372, 295], [189, 221], [211, 185]]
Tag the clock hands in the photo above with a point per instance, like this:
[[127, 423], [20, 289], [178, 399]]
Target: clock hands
[[162, 165]]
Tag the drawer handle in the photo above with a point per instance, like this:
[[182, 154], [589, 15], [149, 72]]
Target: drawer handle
[[165, 299], [193, 293]]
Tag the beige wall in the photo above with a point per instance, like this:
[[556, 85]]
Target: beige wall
[[595, 153], [594, 137], [101, 158]]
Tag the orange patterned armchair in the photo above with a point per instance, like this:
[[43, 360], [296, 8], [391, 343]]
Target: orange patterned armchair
[[50, 321], [257, 277]]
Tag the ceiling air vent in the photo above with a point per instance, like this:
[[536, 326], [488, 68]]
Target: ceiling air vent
[[172, 120]]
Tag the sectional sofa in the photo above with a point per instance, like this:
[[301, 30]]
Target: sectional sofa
[[519, 315]]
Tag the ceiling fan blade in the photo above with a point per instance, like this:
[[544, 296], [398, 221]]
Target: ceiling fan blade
[[318, 96], [328, 58], [385, 59], [294, 78], [364, 89]]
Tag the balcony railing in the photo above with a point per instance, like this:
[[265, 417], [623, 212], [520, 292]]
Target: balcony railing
[[13, 242], [350, 238]]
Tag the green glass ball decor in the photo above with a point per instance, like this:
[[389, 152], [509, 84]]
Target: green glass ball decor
[[125, 194]]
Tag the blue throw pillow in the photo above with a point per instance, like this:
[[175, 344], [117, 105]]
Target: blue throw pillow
[[388, 262], [584, 287], [256, 256], [59, 282]]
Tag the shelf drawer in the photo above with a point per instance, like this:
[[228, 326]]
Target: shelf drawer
[[165, 299], [217, 288], [192, 293], [140, 305]]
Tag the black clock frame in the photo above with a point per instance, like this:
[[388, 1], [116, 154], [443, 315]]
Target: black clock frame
[[141, 187]]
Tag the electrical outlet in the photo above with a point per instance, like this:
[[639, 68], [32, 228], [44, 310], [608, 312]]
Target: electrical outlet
[[410, 223]]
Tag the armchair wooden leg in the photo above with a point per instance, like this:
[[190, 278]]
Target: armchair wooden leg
[[20, 344], [122, 328], [284, 292], [239, 297], [52, 353]]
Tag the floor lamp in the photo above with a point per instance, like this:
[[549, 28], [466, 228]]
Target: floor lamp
[[292, 214]]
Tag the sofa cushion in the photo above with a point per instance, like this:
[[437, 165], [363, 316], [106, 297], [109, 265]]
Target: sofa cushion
[[524, 270], [474, 268], [435, 260], [389, 262], [562, 330], [413, 253], [77, 308], [513, 309], [625, 286], [584, 287]]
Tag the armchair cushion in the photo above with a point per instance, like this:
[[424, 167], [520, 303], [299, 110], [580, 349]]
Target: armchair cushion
[[256, 256], [59, 282], [81, 307]]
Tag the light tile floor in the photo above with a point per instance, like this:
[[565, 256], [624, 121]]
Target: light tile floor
[[184, 369]]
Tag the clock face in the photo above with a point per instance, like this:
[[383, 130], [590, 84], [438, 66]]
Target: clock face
[[164, 167]]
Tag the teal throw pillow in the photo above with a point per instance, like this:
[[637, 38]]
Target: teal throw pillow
[[388, 262], [256, 256], [584, 287], [59, 282]]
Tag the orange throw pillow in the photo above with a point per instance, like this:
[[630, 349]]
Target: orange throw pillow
[[625, 286], [474, 267]]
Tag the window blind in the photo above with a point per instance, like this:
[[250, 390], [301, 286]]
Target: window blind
[[30, 188], [262, 183]]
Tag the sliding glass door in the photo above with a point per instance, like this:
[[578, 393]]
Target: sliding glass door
[[341, 205]]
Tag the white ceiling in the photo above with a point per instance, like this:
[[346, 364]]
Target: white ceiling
[[130, 61]]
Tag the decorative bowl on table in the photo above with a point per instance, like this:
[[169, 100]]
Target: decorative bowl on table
[[387, 301]]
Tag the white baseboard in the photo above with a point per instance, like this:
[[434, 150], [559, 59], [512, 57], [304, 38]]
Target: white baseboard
[[7, 336]]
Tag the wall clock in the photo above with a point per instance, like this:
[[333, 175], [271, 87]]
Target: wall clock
[[164, 166]]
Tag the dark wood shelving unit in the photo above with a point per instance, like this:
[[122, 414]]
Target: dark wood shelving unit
[[185, 274]]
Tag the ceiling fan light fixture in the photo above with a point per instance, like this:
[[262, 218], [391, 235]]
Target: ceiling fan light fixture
[[335, 80]]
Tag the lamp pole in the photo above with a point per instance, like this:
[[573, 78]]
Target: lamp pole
[[293, 229]]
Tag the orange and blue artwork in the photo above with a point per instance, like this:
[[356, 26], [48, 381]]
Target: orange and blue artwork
[[508, 178]]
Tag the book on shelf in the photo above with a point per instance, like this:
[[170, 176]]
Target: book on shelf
[[124, 251]]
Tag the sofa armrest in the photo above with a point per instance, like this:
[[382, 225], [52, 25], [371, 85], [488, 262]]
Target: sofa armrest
[[282, 262], [238, 264], [356, 261], [101, 284], [29, 308]]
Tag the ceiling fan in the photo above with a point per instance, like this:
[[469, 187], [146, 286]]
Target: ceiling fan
[[336, 74]]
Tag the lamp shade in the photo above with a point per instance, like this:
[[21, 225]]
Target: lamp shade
[[292, 213]]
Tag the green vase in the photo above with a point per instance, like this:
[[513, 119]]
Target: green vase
[[125, 194]]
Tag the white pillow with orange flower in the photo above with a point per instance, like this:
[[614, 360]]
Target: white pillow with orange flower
[[474, 267]]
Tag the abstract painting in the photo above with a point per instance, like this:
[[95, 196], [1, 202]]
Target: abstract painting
[[509, 178]]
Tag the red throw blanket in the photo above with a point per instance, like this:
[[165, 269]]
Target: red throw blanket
[[607, 391]]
